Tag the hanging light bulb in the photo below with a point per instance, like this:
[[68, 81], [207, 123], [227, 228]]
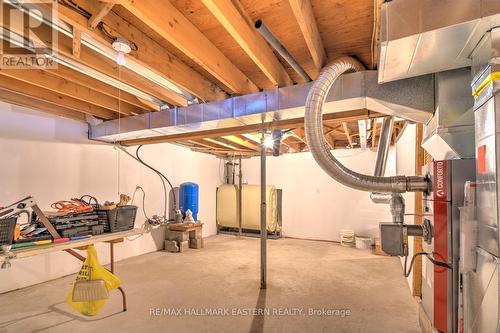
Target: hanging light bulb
[[122, 47], [268, 141], [120, 58]]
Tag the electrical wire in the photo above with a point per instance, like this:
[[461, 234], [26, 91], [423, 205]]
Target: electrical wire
[[162, 175], [434, 261], [143, 200], [159, 175]]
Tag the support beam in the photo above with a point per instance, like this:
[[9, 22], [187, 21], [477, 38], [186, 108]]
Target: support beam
[[77, 42], [167, 21], [42, 94], [242, 142], [419, 212], [96, 18], [304, 15], [347, 132], [374, 132], [56, 84], [41, 105], [263, 214], [284, 124], [249, 40], [149, 53]]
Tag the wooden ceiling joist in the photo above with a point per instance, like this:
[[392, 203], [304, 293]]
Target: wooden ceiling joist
[[242, 141], [302, 9], [96, 18], [235, 22], [56, 84], [43, 94], [149, 53], [89, 82], [104, 65], [347, 133], [38, 104], [167, 21]]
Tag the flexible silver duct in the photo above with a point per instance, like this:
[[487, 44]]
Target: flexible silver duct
[[321, 151]]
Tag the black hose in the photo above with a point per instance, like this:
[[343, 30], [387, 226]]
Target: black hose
[[434, 261], [161, 175]]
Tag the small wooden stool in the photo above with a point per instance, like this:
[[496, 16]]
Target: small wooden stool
[[180, 236]]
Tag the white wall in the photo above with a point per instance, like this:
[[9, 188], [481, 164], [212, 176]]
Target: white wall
[[314, 205], [52, 159]]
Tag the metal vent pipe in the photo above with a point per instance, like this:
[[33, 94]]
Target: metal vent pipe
[[320, 149], [276, 44]]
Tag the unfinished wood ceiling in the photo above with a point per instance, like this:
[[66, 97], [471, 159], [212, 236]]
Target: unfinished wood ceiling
[[208, 49]]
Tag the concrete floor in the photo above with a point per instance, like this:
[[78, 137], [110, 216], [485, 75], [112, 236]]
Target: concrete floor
[[364, 292]]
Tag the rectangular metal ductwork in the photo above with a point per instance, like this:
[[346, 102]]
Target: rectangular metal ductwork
[[450, 133], [430, 36], [411, 99]]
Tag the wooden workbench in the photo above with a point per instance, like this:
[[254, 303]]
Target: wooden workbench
[[70, 246], [42, 249]]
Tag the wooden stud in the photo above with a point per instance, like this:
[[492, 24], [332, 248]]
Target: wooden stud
[[167, 21], [302, 9], [419, 211], [347, 133], [96, 18], [249, 40]]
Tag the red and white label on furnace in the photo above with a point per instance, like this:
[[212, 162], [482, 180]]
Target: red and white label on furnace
[[440, 186]]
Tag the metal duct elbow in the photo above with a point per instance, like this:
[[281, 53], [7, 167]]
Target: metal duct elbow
[[321, 151]]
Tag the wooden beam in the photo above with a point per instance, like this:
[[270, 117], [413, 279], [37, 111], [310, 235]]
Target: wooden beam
[[104, 65], [282, 124], [32, 91], [220, 143], [89, 82], [96, 18], [149, 53], [249, 40], [77, 42], [302, 9], [374, 132], [419, 212], [56, 84], [347, 133], [167, 21], [242, 142], [40, 105]]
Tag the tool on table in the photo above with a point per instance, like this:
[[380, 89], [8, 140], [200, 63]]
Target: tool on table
[[21, 207], [74, 205]]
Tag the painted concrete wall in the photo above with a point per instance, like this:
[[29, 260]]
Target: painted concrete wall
[[314, 205], [52, 159]]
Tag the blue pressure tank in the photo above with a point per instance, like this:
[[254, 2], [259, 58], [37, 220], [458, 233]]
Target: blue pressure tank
[[188, 199]]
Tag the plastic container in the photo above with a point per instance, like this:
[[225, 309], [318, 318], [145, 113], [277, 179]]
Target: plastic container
[[7, 227], [347, 237], [118, 219], [364, 243], [188, 199]]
